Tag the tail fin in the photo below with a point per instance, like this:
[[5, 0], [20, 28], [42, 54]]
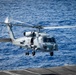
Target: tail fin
[[9, 27]]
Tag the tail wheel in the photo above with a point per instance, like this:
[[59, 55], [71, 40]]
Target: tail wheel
[[51, 53], [33, 53]]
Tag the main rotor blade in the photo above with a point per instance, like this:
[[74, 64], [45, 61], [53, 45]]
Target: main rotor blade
[[19, 23], [59, 27], [22, 25], [16, 22], [9, 20]]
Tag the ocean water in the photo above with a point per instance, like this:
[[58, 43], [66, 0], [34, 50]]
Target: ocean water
[[39, 12]]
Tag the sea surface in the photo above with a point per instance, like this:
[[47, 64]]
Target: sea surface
[[38, 12]]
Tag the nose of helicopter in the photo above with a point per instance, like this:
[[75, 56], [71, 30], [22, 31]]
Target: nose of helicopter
[[51, 47], [55, 46]]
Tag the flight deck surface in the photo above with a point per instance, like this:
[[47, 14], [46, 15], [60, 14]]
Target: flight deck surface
[[64, 70]]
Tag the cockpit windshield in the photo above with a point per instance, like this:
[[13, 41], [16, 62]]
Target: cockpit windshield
[[45, 39]]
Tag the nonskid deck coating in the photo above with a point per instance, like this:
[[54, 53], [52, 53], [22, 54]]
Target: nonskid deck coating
[[64, 70]]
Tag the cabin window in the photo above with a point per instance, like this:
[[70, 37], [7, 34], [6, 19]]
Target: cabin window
[[22, 42]]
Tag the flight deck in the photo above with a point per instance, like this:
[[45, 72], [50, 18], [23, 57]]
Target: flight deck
[[64, 70]]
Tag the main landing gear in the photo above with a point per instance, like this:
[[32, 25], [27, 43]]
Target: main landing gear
[[27, 53], [51, 53], [33, 53]]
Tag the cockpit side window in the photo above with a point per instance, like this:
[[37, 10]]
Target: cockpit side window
[[52, 39], [45, 39]]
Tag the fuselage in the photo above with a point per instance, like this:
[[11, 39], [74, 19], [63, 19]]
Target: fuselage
[[41, 41]]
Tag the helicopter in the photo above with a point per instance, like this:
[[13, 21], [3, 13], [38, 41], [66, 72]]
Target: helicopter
[[34, 40]]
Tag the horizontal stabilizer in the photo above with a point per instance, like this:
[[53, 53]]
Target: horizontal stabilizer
[[5, 40]]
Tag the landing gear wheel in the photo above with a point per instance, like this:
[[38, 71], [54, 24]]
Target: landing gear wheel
[[51, 53], [27, 53], [33, 53]]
